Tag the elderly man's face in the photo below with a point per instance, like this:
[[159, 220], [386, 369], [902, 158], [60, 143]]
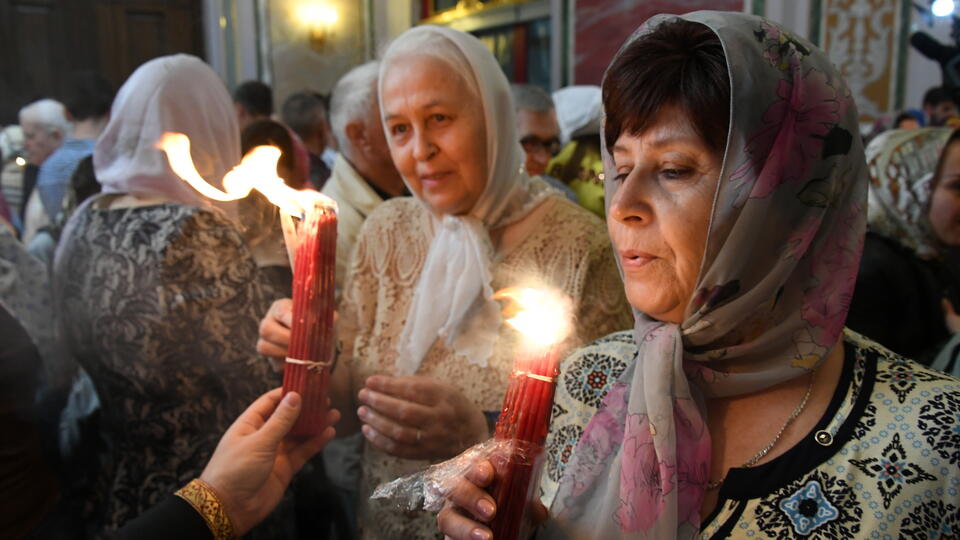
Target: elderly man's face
[[39, 142], [539, 134], [379, 154]]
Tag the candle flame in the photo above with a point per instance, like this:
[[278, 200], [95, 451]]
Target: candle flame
[[541, 315], [257, 170]]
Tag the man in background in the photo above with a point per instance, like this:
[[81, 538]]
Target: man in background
[[45, 127], [305, 113], [253, 100], [539, 132], [88, 107], [939, 106], [363, 173]]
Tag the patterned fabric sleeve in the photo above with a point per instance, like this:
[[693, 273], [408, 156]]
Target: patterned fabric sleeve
[[585, 377]]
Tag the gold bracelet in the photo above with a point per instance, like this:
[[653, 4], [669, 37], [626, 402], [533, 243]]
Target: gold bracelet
[[205, 501]]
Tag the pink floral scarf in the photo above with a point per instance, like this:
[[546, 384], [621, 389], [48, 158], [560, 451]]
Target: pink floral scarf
[[774, 289]]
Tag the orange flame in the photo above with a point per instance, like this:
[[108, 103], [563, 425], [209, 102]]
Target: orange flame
[[541, 315], [257, 170]]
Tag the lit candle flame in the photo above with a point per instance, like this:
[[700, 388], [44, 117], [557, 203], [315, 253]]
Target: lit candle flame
[[257, 170], [542, 316]]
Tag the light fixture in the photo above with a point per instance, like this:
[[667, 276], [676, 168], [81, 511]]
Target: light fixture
[[20, 161], [319, 19], [942, 8]]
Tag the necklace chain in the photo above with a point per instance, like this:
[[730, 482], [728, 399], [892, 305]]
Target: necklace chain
[[766, 449]]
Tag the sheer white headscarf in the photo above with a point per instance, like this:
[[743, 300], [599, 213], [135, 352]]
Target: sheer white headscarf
[[453, 298], [177, 93], [579, 111]]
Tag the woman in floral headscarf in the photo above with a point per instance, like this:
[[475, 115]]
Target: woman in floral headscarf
[[904, 274], [738, 405]]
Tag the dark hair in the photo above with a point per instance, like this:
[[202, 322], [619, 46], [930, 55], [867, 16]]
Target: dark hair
[[937, 95], [678, 63], [303, 111], [256, 97], [270, 133], [904, 116], [88, 96], [935, 181]]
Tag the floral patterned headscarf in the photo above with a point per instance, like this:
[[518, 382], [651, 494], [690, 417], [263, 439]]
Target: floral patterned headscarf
[[902, 164], [782, 255]]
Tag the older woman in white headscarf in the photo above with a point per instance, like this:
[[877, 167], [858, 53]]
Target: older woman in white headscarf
[[159, 292], [424, 347]]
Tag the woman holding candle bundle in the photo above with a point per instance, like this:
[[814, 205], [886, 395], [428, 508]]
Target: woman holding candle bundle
[[738, 406], [160, 293], [424, 346]]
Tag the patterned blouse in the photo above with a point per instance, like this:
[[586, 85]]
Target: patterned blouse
[[883, 462], [161, 306], [385, 270]]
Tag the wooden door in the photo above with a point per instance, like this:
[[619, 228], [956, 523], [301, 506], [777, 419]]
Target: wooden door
[[43, 41]]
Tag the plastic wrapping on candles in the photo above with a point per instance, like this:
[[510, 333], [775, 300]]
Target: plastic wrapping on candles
[[429, 489]]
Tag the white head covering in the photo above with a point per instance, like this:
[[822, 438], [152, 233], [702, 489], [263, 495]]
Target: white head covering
[[579, 111], [902, 164], [176, 93], [453, 298]]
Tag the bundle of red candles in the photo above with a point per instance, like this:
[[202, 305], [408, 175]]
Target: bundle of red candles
[[312, 341], [525, 416]]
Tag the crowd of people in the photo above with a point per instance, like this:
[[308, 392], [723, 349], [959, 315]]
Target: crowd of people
[[764, 302]]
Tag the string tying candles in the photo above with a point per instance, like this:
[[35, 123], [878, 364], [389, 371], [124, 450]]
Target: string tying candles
[[542, 317], [311, 247]]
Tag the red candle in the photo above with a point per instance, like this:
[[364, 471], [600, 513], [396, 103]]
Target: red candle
[[312, 341], [525, 417]]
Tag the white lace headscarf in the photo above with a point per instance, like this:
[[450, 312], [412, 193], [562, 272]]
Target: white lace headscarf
[[177, 93], [902, 164], [453, 298]]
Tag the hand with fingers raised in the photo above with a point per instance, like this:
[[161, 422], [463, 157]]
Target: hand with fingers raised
[[418, 417], [274, 334], [274, 339], [253, 463]]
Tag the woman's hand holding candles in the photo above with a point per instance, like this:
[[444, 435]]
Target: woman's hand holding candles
[[395, 410], [470, 506], [274, 340], [418, 417]]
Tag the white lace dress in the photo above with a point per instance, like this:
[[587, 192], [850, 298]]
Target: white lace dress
[[567, 249]]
